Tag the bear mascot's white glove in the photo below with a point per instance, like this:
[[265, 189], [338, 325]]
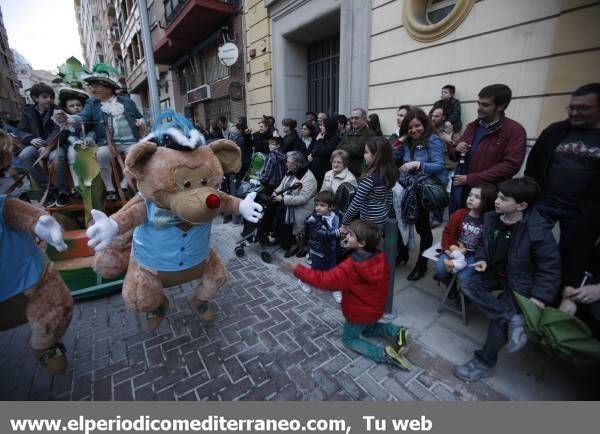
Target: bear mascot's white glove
[[48, 229], [102, 232], [251, 210]]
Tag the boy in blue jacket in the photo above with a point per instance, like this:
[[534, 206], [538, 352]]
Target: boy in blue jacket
[[518, 252], [323, 230]]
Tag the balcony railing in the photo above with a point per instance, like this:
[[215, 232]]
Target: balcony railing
[[172, 7]]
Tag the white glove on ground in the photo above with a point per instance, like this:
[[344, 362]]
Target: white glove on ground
[[102, 232], [251, 210], [49, 230]]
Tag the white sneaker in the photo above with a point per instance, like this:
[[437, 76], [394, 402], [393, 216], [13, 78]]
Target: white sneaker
[[337, 296], [305, 287]]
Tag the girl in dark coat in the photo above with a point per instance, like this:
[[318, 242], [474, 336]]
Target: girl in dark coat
[[291, 139]]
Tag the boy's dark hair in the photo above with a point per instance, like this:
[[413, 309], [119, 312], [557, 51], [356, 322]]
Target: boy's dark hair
[[488, 196], [326, 197], [313, 114], [366, 232], [290, 123], [341, 119], [40, 88], [6, 150], [524, 189], [586, 89], [500, 93], [278, 140], [450, 88]]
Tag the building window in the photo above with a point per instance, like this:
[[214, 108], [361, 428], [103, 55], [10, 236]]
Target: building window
[[429, 20], [213, 69], [437, 10], [323, 75]]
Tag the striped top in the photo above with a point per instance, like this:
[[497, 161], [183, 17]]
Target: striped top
[[372, 201]]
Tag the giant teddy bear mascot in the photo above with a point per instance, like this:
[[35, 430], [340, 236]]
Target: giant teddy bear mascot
[[31, 290], [178, 177]]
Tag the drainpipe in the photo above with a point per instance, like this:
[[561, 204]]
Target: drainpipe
[[149, 58]]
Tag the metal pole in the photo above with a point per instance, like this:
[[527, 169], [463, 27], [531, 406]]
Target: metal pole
[[390, 249], [149, 57]]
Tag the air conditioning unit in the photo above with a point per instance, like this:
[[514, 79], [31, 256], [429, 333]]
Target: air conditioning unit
[[198, 94]]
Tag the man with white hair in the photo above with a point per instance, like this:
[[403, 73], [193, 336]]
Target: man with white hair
[[354, 141]]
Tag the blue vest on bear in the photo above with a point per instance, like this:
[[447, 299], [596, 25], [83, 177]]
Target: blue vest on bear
[[21, 260], [160, 245]]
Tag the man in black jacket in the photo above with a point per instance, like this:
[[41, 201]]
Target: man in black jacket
[[35, 131], [518, 253], [565, 161]]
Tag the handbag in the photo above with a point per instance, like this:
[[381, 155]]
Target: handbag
[[433, 194]]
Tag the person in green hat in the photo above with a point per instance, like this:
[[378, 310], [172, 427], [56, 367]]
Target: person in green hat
[[103, 109]]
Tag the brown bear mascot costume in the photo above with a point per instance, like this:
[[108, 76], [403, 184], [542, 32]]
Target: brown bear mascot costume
[[178, 177], [31, 290]]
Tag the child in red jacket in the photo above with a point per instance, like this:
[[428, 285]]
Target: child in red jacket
[[465, 229], [363, 279]]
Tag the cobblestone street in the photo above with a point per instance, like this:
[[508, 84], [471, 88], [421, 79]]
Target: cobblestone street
[[270, 342]]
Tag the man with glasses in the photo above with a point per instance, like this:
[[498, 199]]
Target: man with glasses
[[565, 161], [354, 141]]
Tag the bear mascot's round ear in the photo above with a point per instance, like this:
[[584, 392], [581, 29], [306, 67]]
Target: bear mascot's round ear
[[137, 157], [228, 154]]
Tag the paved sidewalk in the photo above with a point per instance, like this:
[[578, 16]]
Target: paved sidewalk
[[270, 342]]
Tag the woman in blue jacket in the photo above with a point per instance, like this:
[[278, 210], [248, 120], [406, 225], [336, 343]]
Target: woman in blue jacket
[[421, 155]]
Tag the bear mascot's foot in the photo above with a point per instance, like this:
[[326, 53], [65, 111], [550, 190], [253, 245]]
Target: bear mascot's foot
[[155, 317], [53, 358], [203, 309]]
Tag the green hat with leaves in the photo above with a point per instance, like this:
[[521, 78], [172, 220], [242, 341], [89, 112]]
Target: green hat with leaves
[[104, 74], [71, 75]]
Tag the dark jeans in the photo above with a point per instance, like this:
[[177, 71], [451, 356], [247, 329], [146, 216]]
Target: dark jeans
[[479, 289], [423, 228], [319, 261], [564, 215]]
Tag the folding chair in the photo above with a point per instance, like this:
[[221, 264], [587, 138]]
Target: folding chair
[[433, 255]]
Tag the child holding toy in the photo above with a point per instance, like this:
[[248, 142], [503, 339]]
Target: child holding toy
[[363, 279], [462, 235]]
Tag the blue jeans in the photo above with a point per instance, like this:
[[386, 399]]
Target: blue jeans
[[463, 275], [40, 174], [498, 309], [351, 338]]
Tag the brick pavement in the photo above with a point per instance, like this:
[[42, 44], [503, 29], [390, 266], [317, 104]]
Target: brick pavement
[[270, 342]]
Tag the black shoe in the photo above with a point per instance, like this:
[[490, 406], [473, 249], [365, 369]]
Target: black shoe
[[402, 257], [111, 196], [302, 252], [62, 200], [419, 271], [50, 201], [291, 251]]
